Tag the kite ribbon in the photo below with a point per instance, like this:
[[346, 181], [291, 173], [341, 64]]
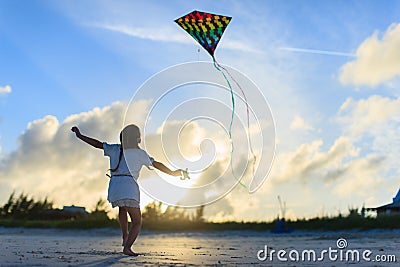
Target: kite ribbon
[[221, 69], [247, 112]]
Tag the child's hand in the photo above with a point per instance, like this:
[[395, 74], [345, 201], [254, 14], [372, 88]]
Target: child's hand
[[75, 130], [184, 174]]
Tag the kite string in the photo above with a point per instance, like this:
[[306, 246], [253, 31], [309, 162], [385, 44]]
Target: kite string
[[247, 112], [216, 65]]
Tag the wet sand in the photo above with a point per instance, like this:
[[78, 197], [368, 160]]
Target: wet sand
[[102, 247]]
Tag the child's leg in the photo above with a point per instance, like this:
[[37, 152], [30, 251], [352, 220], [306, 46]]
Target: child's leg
[[123, 223], [136, 219]]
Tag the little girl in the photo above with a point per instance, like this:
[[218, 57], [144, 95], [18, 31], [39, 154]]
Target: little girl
[[123, 190]]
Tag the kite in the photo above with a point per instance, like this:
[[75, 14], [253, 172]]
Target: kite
[[207, 30]]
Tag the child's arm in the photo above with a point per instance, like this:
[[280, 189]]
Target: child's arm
[[93, 142], [165, 169]]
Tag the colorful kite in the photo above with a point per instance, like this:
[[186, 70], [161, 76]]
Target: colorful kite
[[207, 30]]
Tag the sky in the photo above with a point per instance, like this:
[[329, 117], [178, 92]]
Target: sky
[[328, 69]]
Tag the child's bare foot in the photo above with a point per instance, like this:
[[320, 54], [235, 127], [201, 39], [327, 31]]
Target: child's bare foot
[[129, 252]]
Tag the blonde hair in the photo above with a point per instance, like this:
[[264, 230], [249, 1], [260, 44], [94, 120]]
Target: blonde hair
[[129, 138]]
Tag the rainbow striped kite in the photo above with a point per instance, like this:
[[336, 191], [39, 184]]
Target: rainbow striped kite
[[205, 28]]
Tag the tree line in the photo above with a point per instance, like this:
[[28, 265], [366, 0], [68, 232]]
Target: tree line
[[26, 210]]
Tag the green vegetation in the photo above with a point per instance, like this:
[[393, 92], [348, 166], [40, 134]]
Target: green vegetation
[[24, 207], [24, 211], [347, 223], [173, 218]]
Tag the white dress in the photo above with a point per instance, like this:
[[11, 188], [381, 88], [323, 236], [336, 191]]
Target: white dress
[[123, 189]]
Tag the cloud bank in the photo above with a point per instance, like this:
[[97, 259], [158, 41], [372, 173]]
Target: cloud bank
[[377, 61], [50, 161]]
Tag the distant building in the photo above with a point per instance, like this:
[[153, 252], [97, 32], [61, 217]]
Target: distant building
[[389, 209], [74, 211], [66, 213]]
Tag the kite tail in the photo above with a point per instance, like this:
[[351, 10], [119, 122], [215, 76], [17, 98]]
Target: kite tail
[[217, 66], [247, 111]]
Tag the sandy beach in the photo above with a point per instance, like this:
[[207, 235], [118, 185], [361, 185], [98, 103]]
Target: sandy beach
[[102, 247]]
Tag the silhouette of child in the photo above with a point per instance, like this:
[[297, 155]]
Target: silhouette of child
[[123, 190]]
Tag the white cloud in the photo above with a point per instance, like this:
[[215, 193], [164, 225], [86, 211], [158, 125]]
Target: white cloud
[[377, 61], [164, 34], [362, 177], [5, 89], [170, 34], [50, 161], [298, 123], [369, 115], [309, 161], [374, 123], [360, 163]]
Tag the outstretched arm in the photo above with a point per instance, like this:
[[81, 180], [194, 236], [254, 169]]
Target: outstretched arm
[[165, 169], [93, 142]]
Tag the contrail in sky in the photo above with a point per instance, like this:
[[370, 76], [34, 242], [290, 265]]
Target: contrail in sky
[[314, 51]]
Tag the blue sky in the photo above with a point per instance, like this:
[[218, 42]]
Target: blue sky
[[61, 58], [57, 63]]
